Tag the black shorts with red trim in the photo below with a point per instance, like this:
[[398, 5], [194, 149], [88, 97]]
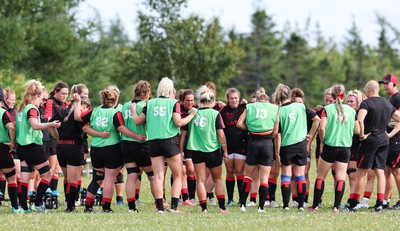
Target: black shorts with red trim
[[370, 157], [393, 157], [69, 153]]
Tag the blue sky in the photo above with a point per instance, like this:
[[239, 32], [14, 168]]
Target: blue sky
[[335, 17]]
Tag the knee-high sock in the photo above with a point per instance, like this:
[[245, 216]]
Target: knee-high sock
[[285, 188], [191, 181], [272, 183], [262, 191], [318, 191], [301, 189], [13, 194], [239, 182], [43, 186], [23, 194], [54, 183], [230, 187], [339, 191], [245, 190]]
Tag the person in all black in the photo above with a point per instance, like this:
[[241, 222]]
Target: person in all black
[[373, 117]]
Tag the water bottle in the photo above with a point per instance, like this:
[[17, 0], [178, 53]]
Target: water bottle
[[54, 201], [47, 201]]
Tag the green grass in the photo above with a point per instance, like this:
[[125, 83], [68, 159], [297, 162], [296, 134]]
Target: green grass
[[148, 219]]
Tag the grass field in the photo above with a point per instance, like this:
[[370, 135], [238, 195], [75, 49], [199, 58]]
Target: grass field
[[192, 219]]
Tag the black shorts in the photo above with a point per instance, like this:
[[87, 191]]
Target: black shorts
[[32, 154], [164, 147], [53, 146], [135, 152], [331, 154], [393, 156], [260, 150], [212, 159], [106, 157], [6, 159], [372, 157], [70, 155], [294, 154], [188, 154]]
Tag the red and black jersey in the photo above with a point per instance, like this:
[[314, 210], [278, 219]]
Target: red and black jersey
[[53, 106], [11, 111], [236, 138], [70, 129]]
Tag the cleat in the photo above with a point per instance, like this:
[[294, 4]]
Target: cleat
[[194, 201], [386, 206], [294, 204], [38, 209], [261, 210], [396, 206], [205, 211], [161, 211], [139, 202], [349, 209], [188, 203], [242, 208], [108, 211], [267, 203], [312, 209], [133, 211], [213, 201], [16, 211], [251, 204], [377, 209], [48, 191], [273, 204], [89, 210], [335, 210], [286, 209], [77, 203], [300, 210], [177, 210], [305, 205], [27, 211], [120, 203], [224, 211], [230, 204]]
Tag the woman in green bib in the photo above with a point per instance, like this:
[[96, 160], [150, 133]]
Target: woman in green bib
[[29, 139], [336, 132], [292, 144], [163, 118], [260, 119], [206, 138], [106, 153]]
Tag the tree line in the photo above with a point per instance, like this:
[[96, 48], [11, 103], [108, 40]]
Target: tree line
[[43, 39]]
